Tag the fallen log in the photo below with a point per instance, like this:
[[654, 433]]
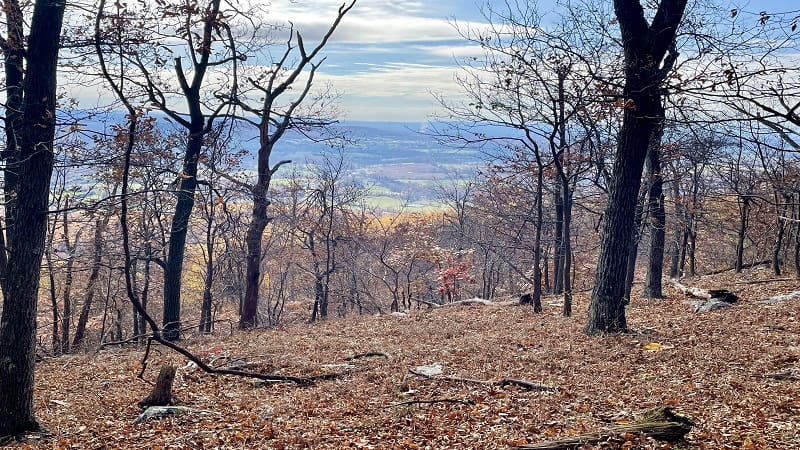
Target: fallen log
[[661, 424], [155, 412], [713, 299], [691, 291], [477, 301], [744, 266]]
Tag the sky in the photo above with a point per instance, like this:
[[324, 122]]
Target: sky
[[389, 56]]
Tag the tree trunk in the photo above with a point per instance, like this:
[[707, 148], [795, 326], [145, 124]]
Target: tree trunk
[[658, 220], [55, 342], [97, 258], [645, 46], [567, 253], [781, 231], [68, 278], [633, 250], [537, 239], [558, 246], [255, 233], [678, 232], [692, 246], [34, 165], [173, 269], [741, 235]]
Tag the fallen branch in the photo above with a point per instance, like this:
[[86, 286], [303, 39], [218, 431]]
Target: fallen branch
[[303, 381], [744, 266], [783, 376], [528, 385], [780, 298], [431, 402], [661, 424], [368, 355], [769, 280]]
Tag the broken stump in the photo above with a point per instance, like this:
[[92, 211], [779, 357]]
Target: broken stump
[[161, 395]]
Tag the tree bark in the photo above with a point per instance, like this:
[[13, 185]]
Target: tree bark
[[34, 165], [645, 46]]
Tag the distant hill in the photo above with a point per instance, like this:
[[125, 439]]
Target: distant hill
[[395, 161]]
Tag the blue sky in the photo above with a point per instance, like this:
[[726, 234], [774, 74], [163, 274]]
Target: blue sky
[[388, 56]]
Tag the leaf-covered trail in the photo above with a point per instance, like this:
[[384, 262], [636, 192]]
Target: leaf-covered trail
[[705, 366]]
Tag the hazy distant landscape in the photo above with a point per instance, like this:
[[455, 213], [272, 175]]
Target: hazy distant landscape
[[396, 161]]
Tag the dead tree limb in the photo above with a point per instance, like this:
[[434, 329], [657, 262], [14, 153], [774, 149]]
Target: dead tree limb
[[303, 381], [431, 402], [780, 298], [527, 385], [661, 424], [744, 266], [369, 355], [783, 376]]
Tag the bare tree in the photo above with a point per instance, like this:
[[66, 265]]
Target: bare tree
[[272, 121]]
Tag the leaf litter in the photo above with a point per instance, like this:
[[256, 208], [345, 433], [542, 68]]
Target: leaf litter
[[708, 366]]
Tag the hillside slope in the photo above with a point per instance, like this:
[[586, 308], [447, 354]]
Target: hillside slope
[[707, 366]]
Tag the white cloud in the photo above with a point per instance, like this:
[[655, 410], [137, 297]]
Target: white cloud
[[368, 22], [399, 92]]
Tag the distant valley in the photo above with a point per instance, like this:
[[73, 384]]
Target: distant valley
[[395, 161]]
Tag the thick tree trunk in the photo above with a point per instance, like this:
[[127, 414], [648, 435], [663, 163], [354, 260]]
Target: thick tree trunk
[[607, 308], [255, 233], [14, 61], [173, 269], [34, 165], [645, 46], [161, 395]]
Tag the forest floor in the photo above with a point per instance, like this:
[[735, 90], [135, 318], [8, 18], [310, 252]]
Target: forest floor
[[707, 366]]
